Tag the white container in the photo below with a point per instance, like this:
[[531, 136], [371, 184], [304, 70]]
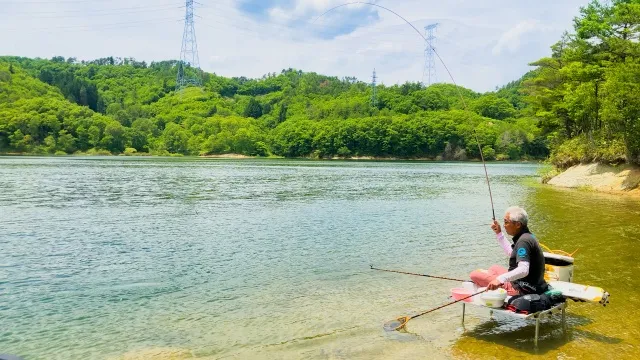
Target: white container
[[495, 298], [558, 267]]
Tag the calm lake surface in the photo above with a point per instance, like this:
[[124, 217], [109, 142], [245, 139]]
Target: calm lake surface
[[164, 258]]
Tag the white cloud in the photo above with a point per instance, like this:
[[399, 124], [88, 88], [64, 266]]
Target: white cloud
[[383, 47], [511, 39], [215, 59], [303, 8], [279, 15]]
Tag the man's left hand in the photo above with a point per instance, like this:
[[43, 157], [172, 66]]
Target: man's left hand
[[494, 284]]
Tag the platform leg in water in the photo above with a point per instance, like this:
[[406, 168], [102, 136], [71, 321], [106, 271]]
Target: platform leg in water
[[564, 320], [463, 309], [535, 339]]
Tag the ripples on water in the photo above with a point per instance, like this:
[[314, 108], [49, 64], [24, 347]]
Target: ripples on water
[[251, 258]]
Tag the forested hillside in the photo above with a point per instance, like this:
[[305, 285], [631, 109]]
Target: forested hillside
[[118, 105]]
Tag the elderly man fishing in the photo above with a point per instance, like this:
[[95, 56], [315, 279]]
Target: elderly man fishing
[[526, 261]]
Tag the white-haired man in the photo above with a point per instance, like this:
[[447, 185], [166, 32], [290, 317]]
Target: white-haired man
[[526, 262]]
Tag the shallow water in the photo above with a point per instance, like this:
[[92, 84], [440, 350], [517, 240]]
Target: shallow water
[[170, 258]]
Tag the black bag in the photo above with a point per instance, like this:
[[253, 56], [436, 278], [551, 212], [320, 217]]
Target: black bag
[[532, 303], [526, 288]]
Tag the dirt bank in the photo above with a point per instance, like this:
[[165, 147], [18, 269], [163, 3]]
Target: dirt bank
[[598, 177]]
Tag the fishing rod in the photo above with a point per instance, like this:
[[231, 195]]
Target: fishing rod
[[425, 275], [401, 322], [464, 103]]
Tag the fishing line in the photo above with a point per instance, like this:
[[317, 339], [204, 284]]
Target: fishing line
[[464, 103]]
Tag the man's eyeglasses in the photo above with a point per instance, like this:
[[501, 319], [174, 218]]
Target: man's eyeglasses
[[505, 221]]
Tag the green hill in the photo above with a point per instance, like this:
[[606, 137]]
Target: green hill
[[112, 104]]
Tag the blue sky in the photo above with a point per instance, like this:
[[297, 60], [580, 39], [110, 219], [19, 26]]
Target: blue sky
[[483, 43], [327, 19]]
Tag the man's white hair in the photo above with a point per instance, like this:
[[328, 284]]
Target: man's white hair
[[518, 214]]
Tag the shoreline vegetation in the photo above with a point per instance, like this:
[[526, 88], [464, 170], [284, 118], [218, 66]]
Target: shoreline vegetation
[[242, 156]]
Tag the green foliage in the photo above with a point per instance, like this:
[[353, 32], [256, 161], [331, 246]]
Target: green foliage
[[175, 139], [494, 107], [98, 152], [587, 94], [116, 106], [548, 172], [582, 150], [488, 153], [621, 106], [253, 109]]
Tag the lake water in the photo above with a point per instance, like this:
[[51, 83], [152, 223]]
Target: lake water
[[176, 258]]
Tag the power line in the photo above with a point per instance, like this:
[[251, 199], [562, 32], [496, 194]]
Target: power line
[[170, 5], [20, 2], [81, 15], [93, 26]]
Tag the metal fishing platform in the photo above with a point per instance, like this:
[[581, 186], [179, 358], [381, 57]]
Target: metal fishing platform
[[571, 292], [537, 316]]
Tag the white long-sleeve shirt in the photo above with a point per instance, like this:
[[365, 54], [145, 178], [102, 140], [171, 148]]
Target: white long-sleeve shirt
[[523, 266]]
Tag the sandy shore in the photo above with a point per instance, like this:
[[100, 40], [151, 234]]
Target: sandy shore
[[228, 156], [597, 177]]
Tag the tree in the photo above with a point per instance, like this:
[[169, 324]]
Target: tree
[[176, 139], [49, 144], [94, 135], [431, 98], [212, 111], [66, 142], [622, 106], [253, 109], [587, 89], [282, 113], [114, 138], [17, 141], [5, 77], [488, 153], [493, 107]]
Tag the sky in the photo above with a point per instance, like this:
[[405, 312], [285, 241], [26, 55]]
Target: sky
[[484, 44]]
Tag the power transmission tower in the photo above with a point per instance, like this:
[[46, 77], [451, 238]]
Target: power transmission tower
[[189, 53], [429, 72], [374, 98]]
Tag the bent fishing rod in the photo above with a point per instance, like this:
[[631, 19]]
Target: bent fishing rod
[[464, 103]]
